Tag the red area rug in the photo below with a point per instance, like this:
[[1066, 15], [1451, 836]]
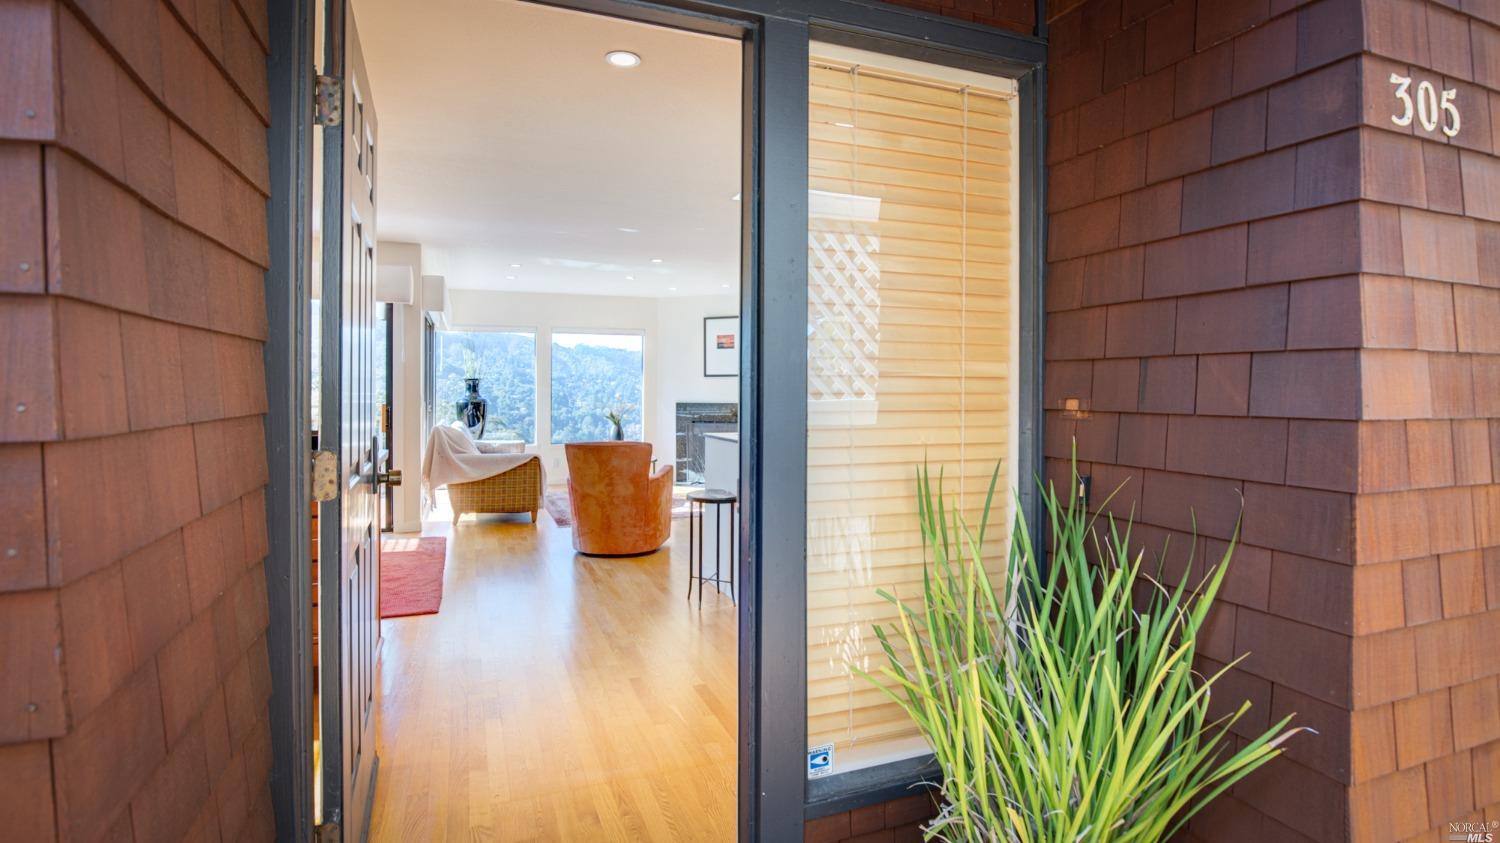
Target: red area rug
[[411, 576]]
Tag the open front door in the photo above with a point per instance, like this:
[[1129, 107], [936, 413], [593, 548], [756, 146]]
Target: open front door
[[349, 612]]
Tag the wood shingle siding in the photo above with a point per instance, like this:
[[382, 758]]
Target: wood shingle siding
[[132, 593], [1329, 372]]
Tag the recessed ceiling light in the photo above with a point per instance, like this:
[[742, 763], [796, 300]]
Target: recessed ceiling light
[[629, 230], [725, 286], [671, 289], [736, 198], [515, 266], [622, 58], [510, 278], [630, 278], [656, 260]]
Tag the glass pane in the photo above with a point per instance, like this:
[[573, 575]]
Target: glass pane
[[315, 399], [911, 344], [315, 354], [382, 360], [594, 376], [502, 365], [429, 357]]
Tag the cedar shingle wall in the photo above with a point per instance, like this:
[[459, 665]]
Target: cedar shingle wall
[[1015, 15], [1426, 721], [1203, 316], [1261, 290], [132, 453], [897, 821]]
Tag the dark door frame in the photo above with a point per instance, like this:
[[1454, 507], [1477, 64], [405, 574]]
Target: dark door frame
[[288, 565], [775, 797]]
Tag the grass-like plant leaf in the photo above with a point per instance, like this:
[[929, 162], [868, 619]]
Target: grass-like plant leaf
[[1063, 706]]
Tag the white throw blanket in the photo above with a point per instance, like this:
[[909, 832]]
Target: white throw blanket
[[454, 457]]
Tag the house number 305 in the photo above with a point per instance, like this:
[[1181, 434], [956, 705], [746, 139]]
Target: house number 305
[[1426, 107]]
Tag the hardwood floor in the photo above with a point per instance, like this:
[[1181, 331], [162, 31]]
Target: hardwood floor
[[557, 697]]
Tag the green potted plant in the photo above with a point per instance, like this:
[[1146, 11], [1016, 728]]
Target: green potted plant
[[1063, 706], [616, 416]]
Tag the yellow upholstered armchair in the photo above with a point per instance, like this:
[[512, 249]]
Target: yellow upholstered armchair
[[516, 490], [482, 476], [620, 508]]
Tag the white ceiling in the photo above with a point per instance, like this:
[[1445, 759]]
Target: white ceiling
[[505, 138]]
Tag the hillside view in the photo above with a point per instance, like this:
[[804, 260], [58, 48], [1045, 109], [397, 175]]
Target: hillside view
[[505, 363], [591, 375]]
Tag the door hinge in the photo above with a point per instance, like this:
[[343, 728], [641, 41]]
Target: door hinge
[[325, 476], [327, 833], [328, 101]]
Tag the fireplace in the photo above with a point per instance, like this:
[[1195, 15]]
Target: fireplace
[[694, 420]]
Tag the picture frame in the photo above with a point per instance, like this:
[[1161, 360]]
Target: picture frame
[[721, 346]]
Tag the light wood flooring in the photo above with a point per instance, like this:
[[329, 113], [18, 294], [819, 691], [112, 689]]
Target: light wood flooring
[[557, 697]]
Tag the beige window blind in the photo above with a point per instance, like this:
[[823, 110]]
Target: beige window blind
[[910, 348]]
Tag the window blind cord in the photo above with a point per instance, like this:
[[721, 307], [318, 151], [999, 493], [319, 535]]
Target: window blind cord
[[963, 308], [854, 190]]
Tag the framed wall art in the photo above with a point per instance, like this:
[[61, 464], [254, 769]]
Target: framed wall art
[[721, 346]]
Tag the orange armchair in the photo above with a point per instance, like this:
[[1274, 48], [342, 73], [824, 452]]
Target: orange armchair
[[619, 507]]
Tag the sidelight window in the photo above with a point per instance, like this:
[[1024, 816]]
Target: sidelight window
[[912, 345]]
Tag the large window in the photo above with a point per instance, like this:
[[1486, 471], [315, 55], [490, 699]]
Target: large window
[[594, 375], [504, 362], [382, 366], [911, 346]]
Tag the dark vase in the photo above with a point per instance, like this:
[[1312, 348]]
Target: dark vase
[[473, 409], [619, 432]]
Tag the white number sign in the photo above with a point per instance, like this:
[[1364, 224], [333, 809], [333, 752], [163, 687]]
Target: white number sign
[[1428, 109], [1427, 105], [1450, 108]]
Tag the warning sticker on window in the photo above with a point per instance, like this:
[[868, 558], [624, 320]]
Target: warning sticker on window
[[820, 761]]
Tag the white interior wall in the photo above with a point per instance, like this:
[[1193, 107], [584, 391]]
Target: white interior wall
[[407, 428], [680, 364]]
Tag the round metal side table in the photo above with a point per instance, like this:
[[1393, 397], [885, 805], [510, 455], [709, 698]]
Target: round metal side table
[[697, 501]]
